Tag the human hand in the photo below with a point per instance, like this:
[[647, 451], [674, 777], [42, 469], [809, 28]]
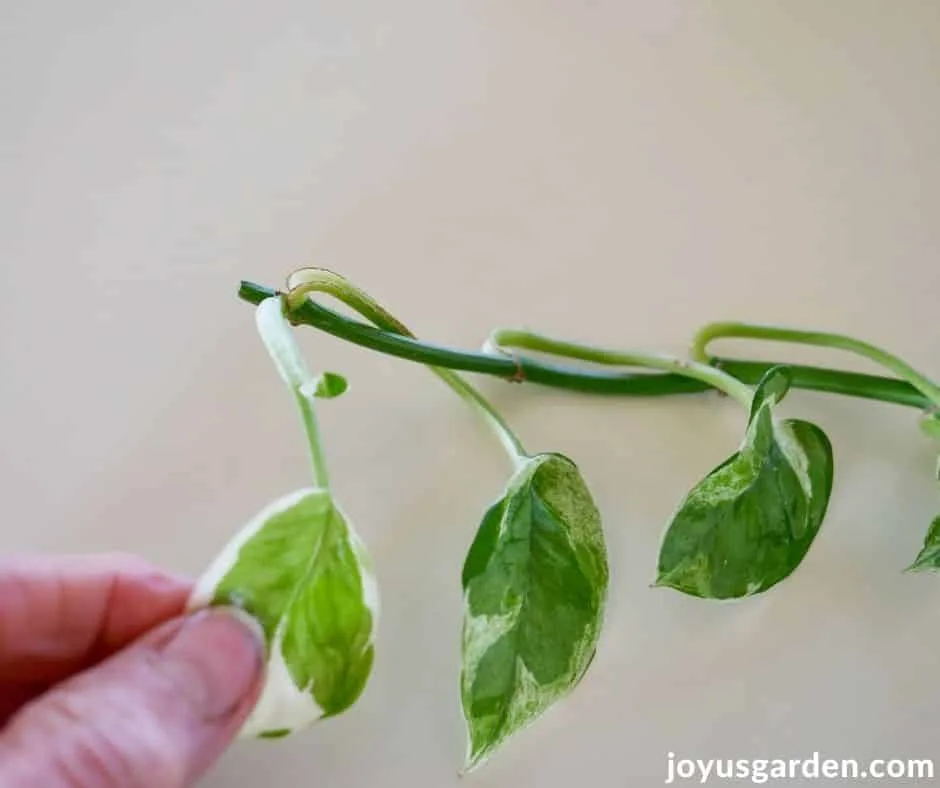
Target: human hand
[[104, 683]]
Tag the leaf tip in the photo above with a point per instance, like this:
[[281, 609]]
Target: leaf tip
[[918, 566], [665, 579], [474, 759]]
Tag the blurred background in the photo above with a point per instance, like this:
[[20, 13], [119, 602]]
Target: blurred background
[[612, 172]]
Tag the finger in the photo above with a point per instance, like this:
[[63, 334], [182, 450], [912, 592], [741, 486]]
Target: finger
[[15, 696], [59, 615], [155, 715]]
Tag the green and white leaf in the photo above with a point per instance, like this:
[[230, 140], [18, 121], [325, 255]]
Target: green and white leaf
[[535, 586], [751, 521], [300, 569], [302, 572]]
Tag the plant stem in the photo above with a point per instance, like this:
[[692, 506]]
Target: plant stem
[[712, 376], [627, 384], [309, 280], [501, 428], [317, 458], [889, 361], [277, 336]]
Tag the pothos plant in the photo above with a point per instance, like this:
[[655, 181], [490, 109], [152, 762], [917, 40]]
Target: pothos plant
[[535, 577]]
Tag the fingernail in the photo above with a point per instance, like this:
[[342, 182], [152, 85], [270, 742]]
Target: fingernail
[[216, 658]]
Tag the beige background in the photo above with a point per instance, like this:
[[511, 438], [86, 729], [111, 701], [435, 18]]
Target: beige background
[[617, 172]]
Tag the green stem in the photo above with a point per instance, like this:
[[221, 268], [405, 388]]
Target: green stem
[[625, 384], [710, 375], [501, 428], [889, 361], [310, 280], [317, 457]]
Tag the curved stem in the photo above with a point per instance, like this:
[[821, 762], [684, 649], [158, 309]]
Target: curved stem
[[710, 375], [889, 361], [319, 280], [469, 394], [622, 384]]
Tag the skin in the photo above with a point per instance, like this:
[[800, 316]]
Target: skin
[[104, 682]]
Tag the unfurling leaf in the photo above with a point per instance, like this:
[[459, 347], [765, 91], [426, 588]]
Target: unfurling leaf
[[928, 559], [327, 385], [535, 586], [751, 521], [299, 568]]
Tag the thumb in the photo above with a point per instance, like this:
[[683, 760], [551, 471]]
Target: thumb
[[156, 715]]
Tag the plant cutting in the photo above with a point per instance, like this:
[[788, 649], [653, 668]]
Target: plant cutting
[[300, 569], [535, 578]]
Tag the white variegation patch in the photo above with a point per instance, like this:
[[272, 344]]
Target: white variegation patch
[[726, 483], [795, 454], [370, 585], [283, 706], [479, 634], [275, 332]]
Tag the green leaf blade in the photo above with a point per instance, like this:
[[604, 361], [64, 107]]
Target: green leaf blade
[[326, 385], [751, 521], [300, 569], [535, 584]]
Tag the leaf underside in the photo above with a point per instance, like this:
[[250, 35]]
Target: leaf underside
[[535, 582], [751, 521]]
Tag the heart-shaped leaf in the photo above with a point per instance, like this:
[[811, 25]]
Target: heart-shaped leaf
[[751, 521], [535, 586], [299, 568]]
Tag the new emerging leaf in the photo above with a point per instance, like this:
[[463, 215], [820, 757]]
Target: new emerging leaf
[[751, 521], [327, 385], [535, 585]]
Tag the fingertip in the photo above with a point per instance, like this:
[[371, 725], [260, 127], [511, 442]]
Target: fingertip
[[249, 622], [217, 656]]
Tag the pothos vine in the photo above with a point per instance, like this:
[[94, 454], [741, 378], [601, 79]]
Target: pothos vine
[[535, 577]]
